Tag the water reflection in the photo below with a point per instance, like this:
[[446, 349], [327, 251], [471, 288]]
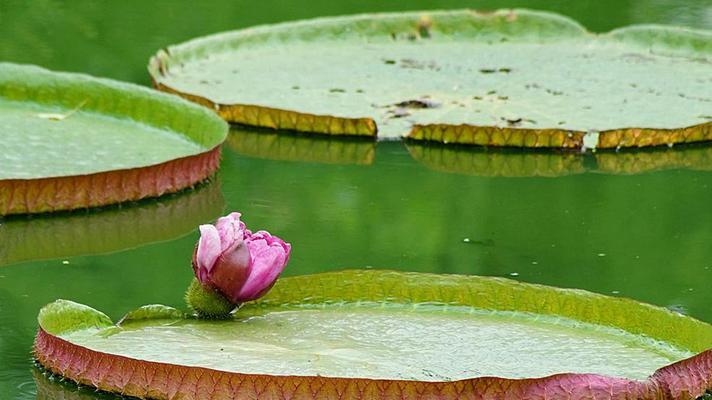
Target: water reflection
[[49, 387], [478, 161], [297, 147], [468, 160], [107, 230]]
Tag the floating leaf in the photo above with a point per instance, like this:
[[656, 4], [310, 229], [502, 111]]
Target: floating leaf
[[509, 78], [73, 141], [381, 334]]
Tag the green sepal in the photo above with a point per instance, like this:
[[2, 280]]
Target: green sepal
[[206, 302]]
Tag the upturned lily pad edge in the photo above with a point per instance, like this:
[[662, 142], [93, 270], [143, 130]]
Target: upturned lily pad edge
[[43, 195], [28, 83], [689, 378], [659, 39], [72, 90]]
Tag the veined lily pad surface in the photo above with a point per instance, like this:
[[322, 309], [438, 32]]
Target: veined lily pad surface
[[73, 141], [509, 78], [379, 334]]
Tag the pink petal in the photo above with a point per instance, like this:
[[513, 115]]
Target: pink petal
[[208, 250], [231, 270], [243, 266], [231, 230], [269, 256]]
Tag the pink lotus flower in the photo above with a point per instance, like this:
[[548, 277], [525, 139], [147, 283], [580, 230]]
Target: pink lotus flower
[[241, 265]]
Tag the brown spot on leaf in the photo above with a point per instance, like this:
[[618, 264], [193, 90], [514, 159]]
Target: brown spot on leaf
[[493, 70], [418, 103], [399, 112], [513, 122], [417, 64]]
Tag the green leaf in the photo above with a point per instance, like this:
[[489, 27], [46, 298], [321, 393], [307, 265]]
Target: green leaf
[[61, 124], [390, 326], [152, 312], [64, 316], [71, 141], [513, 77]]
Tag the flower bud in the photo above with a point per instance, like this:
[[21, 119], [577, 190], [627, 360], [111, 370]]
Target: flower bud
[[237, 263]]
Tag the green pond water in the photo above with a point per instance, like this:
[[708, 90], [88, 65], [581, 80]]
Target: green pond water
[[632, 224]]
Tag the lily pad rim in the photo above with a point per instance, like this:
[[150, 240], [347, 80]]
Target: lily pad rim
[[163, 57], [267, 28], [100, 185], [79, 364], [671, 41]]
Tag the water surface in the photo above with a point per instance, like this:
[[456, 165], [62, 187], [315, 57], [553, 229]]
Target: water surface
[[635, 225]]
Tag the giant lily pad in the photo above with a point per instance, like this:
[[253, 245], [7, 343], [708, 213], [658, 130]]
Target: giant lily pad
[[73, 141], [383, 335], [78, 233], [508, 78]]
